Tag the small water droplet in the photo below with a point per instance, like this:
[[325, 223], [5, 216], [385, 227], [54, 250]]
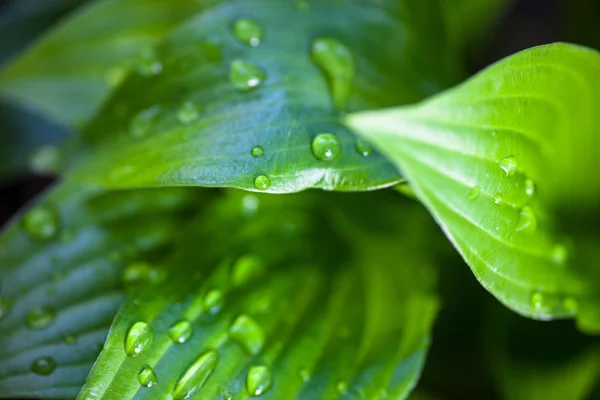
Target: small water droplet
[[41, 222], [527, 220], [187, 113], [334, 58], [213, 301], [259, 380], [559, 254], [245, 76], [537, 300], [181, 331], [138, 338], [211, 48], [148, 63], [227, 396], [144, 121], [326, 146], [498, 199], [147, 377], [305, 375], [40, 317], [257, 151], [530, 187], [509, 165], [247, 333], [142, 272], [70, 339], [363, 148], [247, 268], [342, 388], [45, 160], [248, 31], [474, 193], [196, 375], [5, 306], [43, 366], [262, 182]]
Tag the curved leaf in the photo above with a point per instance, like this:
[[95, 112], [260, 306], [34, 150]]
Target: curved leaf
[[214, 97], [298, 314], [493, 158], [69, 73], [60, 279]]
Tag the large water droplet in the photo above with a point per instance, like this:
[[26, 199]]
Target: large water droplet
[[527, 220], [181, 331], [143, 122], [138, 338], [537, 300], [509, 165], [213, 301], [41, 222], [530, 187], [559, 254], [262, 182], [334, 58], [196, 375], [40, 317], [258, 380], [257, 151], [248, 31], [247, 268], [148, 63], [326, 146], [147, 377], [43, 366], [187, 113], [363, 147], [474, 193], [245, 76], [247, 333], [5, 305]]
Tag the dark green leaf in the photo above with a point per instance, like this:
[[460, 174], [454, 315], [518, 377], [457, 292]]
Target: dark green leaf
[[303, 311], [204, 99], [60, 279], [493, 158]]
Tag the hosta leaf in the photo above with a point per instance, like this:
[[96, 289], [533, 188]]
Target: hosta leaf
[[493, 158], [264, 298], [60, 279], [244, 89], [69, 73]]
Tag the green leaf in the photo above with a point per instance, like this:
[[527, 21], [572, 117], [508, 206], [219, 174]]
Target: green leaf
[[204, 99], [70, 72], [494, 158], [275, 302], [60, 279]]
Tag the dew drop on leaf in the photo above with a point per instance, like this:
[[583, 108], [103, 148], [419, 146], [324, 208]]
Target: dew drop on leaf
[[5, 306], [248, 31], [181, 331], [530, 187], [258, 380], [213, 301], [196, 375], [498, 199], [70, 339], [43, 366], [559, 254], [187, 113], [509, 165], [147, 63], [41, 222], [138, 338], [227, 396], [257, 151], [143, 122], [527, 220], [474, 193], [334, 58], [537, 300], [247, 333], [326, 146], [142, 272], [363, 147], [147, 377], [262, 182], [245, 76], [40, 317], [247, 268], [305, 375]]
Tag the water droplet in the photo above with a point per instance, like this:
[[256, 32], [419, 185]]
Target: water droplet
[[211, 48], [474, 193], [527, 220], [227, 396], [248, 31], [257, 151], [41, 222], [40, 317], [5, 305], [181, 331], [148, 63], [247, 268], [250, 204], [570, 304], [262, 182], [187, 113], [143, 122], [138, 338], [537, 300], [45, 160], [530, 187], [213, 301], [147, 377], [247, 333], [334, 58], [363, 147], [498, 199], [305, 375], [245, 76], [342, 388], [43, 366], [142, 272], [509, 165], [196, 375], [326, 147], [70, 339], [559, 254], [259, 380]]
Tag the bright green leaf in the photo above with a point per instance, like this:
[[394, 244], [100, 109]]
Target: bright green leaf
[[60, 279], [494, 157], [214, 97], [326, 313]]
